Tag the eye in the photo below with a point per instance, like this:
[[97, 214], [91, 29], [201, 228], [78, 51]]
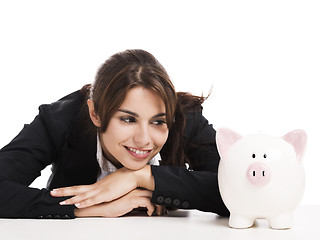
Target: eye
[[265, 155], [253, 155], [158, 122], [128, 119]]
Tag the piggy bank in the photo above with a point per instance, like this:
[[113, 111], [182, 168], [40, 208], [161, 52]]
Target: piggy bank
[[261, 176]]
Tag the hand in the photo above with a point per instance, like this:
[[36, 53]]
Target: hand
[[119, 207], [107, 189]]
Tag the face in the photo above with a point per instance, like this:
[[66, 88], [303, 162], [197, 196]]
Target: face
[[137, 131]]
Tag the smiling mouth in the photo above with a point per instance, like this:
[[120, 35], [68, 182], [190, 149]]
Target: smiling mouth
[[139, 154]]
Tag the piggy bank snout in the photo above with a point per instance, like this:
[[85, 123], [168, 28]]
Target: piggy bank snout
[[259, 174]]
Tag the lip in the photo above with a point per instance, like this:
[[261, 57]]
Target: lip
[[138, 153]]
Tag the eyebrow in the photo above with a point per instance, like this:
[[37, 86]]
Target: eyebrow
[[136, 115]]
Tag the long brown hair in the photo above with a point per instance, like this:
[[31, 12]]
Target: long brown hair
[[131, 68]]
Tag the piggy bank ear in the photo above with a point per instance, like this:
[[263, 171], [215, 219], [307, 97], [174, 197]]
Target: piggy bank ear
[[225, 138], [298, 139]]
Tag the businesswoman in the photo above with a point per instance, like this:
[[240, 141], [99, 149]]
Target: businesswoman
[[125, 142]]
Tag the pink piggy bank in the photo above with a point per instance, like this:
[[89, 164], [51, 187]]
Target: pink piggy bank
[[261, 176]]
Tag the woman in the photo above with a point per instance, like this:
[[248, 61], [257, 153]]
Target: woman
[[103, 143]]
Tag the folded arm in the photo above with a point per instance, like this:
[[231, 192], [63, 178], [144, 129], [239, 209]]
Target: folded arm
[[175, 187], [21, 162]]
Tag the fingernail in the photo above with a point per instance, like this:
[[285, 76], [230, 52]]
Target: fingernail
[[77, 205], [54, 191], [63, 203]]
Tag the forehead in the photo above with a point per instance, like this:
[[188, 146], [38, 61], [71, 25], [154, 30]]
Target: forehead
[[141, 99]]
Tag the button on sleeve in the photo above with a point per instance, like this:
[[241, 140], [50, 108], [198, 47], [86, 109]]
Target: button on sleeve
[[176, 202], [168, 201], [185, 205], [160, 199]]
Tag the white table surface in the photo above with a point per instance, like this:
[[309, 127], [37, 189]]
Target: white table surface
[[181, 224]]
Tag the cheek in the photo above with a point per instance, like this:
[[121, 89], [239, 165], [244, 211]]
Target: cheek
[[160, 137], [114, 134]]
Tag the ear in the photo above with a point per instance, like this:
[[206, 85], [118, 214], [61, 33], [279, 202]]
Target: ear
[[298, 139], [94, 118], [225, 139]]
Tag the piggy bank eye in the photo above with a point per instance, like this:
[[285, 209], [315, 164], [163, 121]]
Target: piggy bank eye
[[265, 155], [253, 155]]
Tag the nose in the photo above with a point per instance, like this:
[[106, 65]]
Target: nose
[[259, 174], [142, 135]]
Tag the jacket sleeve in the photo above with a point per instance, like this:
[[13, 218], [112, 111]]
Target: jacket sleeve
[[196, 187], [22, 160]]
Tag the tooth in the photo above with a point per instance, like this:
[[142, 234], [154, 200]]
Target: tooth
[[133, 150], [137, 151]]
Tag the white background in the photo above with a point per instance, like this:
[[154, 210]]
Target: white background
[[261, 59]]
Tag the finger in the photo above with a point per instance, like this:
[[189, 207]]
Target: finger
[[142, 193], [143, 199], [146, 203], [160, 210], [151, 207], [79, 200], [96, 196], [84, 202], [70, 191]]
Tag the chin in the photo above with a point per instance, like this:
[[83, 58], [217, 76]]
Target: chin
[[135, 167]]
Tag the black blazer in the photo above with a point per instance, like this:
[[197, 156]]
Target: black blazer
[[59, 136]]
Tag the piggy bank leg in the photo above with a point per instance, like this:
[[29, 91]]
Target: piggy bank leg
[[283, 221], [239, 221]]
